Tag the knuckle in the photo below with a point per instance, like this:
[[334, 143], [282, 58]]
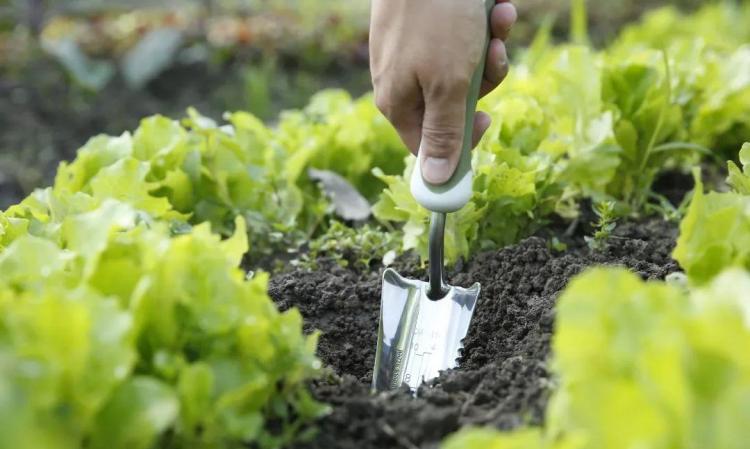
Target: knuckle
[[442, 141], [449, 85], [384, 103]]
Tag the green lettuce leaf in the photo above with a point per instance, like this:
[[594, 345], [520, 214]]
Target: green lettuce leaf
[[740, 179], [137, 413], [714, 234], [143, 337]]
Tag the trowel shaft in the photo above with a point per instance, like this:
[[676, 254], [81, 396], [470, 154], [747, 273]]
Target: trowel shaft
[[437, 287]]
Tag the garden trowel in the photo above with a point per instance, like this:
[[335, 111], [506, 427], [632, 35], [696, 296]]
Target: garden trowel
[[422, 324]]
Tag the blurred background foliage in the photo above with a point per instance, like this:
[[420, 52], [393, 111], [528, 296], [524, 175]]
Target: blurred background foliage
[[71, 69]]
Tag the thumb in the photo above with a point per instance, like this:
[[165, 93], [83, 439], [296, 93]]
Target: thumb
[[442, 134]]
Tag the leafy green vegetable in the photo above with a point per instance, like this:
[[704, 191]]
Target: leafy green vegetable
[[139, 410], [709, 58], [643, 364], [722, 118], [638, 88], [740, 180], [356, 247], [714, 234], [719, 25], [10, 229], [653, 354], [347, 137], [114, 333], [198, 171]]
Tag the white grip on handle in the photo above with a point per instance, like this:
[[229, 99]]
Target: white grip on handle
[[448, 201]]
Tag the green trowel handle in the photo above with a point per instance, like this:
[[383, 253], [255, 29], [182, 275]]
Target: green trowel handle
[[454, 194]]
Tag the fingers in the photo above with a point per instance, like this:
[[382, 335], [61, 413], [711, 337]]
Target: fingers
[[409, 126], [443, 131], [496, 68], [502, 18], [482, 122]]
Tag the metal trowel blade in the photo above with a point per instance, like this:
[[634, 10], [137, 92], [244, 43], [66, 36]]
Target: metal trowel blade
[[419, 337]]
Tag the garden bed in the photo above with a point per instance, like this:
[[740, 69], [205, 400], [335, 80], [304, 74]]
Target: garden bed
[[502, 379], [142, 245]]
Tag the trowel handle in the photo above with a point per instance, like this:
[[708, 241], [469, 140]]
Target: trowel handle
[[454, 194]]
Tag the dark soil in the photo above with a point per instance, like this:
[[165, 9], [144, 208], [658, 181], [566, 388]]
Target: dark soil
[[502, 380], [10, 192]]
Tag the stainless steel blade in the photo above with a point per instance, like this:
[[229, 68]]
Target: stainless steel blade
[[418, 337]]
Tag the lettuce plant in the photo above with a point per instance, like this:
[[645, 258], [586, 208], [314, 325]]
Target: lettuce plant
[[643, 364], [350, 137], [115, 333], [197, 173], [740, 179], [715, 233]]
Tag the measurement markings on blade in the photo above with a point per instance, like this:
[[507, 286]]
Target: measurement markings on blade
[[422, 351], [397, 365]]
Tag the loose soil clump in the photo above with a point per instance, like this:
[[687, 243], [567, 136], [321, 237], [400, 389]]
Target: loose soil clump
[[502, 380]]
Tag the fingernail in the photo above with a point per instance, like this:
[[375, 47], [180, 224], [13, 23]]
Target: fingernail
[[437, 170]]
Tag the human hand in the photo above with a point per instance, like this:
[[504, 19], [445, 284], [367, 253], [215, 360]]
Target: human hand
[[423, 54]]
